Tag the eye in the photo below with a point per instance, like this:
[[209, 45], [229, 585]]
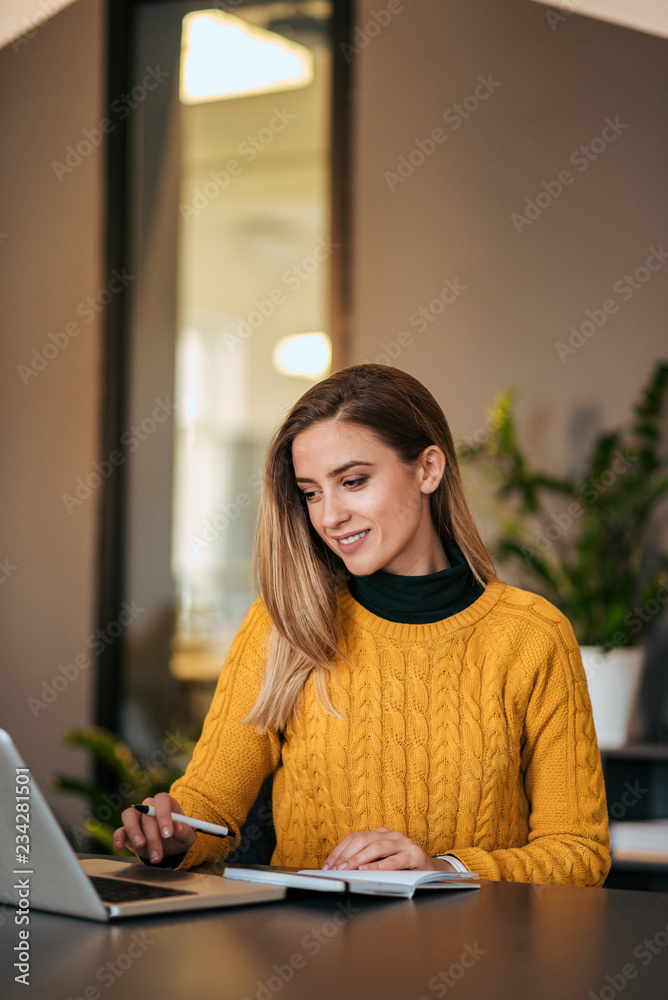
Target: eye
[[357, 481], [310, 497]]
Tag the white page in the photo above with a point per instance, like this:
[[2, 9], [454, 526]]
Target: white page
[[401, 877]]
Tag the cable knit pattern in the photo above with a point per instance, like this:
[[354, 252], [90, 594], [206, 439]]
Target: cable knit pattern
[[473, 736]]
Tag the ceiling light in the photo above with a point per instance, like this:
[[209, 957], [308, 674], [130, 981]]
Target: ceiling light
[[223, 56], [306, 355]]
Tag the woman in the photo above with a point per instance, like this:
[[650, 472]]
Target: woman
[[416, 712]]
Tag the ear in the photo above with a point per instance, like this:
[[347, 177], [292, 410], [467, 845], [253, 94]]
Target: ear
[[431, 465]]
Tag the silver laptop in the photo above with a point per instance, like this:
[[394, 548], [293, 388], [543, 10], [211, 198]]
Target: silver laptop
[[39, 870]]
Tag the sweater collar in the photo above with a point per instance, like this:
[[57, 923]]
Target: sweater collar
[[419, 600], [359, 615]]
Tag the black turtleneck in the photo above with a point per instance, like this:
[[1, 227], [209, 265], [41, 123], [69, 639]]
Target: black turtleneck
[[419, 600]]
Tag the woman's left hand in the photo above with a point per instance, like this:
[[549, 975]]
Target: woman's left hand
[[381, 849]]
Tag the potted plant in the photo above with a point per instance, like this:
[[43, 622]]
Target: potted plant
[[134, 779], [587, 544]]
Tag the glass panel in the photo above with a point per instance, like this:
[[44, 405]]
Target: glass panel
[[251, 271]]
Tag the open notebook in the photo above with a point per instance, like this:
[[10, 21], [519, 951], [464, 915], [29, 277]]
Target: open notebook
[[370, 883]]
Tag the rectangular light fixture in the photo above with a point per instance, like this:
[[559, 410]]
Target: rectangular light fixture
[[223, 56]]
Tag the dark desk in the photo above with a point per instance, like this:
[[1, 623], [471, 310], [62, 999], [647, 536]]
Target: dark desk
[[506, 941]]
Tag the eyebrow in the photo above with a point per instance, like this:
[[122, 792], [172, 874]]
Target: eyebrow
[[335, 472]]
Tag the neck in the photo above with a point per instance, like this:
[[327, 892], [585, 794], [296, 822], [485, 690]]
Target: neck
[[431, 558]]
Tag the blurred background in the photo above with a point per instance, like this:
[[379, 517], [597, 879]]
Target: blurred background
[[454, 189]]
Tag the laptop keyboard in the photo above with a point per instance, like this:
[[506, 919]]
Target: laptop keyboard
[[112, 890]]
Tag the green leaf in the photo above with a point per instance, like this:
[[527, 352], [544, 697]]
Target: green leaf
[[107, 748], [103, 834], [595, 568]]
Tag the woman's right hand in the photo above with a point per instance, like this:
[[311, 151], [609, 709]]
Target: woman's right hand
[[154, 837]]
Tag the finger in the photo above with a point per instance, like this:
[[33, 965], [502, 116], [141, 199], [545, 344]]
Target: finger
[[395, 843], [163, 804], [145, 834], [338, 852], [183, 837], [394, 862], [406, 855], [381, 848], [132, 827], [351, 846], [154, 848], [120, 839], [348, 848], [177, 837]]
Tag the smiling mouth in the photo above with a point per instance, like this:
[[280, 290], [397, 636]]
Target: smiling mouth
[[353, 538]]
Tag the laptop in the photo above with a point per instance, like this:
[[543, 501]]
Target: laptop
[[39, 870]]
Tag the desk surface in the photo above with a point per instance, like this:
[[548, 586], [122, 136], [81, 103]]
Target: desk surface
[[506, 941]]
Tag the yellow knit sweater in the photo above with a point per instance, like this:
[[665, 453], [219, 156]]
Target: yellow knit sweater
[[473, 736]]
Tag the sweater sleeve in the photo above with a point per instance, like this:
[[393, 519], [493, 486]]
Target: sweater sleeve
[[568, 841], [230, 760]]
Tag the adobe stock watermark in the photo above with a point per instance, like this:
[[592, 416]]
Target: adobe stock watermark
[[292, 278], [7, 569], [131, 440], [566, 8], [631, 795], [312, 942], [625, 288], [420, 320], [7, 909], [440, 984], [225, 515], [120, 108], [635, 620], [582, 158], [643, 614], [645, 953], [31, 25], [87, 310], [480, 435], [67, 674], [172, 745], [365, 33], [113, 970], [591, 489], [247, 151], [454, 117]]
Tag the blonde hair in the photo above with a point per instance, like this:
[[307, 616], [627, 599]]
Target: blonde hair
[[298, 575]]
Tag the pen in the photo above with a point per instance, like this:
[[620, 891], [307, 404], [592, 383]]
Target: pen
[[212, 829]]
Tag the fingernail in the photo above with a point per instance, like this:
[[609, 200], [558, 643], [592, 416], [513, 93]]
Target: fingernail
[[165, 831], [154, 856], [325, 868], [342, 865], [363, 867], [137, 840]]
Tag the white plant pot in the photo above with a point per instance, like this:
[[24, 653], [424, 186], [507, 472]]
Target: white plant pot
[[613, 679]]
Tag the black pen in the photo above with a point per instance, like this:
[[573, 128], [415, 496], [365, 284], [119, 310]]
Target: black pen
[[212, 829]]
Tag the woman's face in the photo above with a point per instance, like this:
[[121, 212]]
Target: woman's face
[[365, 503]]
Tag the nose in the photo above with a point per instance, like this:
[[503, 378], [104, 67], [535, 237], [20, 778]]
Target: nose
[[334, 510]]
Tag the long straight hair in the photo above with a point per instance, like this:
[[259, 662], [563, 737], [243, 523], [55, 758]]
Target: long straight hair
[[297, 573]]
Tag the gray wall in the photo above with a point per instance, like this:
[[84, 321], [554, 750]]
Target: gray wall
[[51, 243]]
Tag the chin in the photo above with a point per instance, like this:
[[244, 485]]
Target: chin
[[365, 569]]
